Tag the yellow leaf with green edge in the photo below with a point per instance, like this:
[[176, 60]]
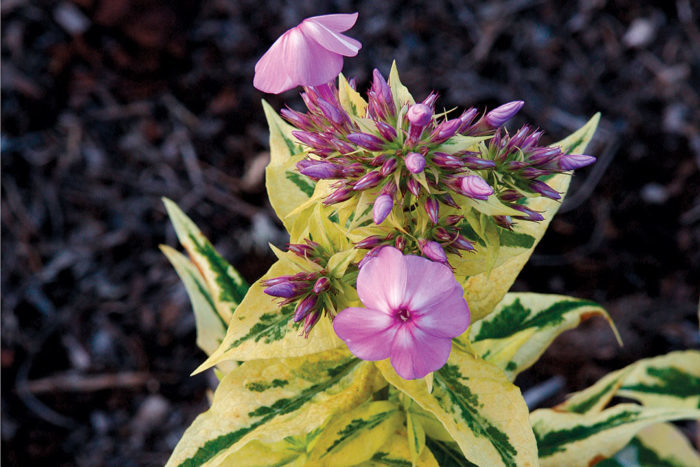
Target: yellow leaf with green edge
[[671, 380], [286, 187], [211, 328], [483, 411], [483, 290], [226, 286], [415, 433], [261, 329], [573, 439], [354, 436], [350, 100], [430, 425], [660, 445], [398, 90], [523, 325], [595, 398], [268, 400], [396, 453]]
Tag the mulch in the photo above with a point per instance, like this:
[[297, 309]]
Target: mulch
[[108, 105]]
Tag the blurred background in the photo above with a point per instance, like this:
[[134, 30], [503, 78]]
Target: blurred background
[[107, 105]]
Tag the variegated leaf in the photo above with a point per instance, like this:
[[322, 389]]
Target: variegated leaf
[[395, 453], [594, 399], [573, 439], [660, 445], [286, 187], [483, 411], [351, 100], [398, 90], [226, 286], [261, 329], [523, 325], [447, 454], [483, 290], [211, 328], [354, 436], [268, 400]]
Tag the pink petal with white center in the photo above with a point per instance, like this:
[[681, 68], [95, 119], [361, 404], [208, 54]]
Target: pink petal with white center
[[307, 63], [381, 283], [427, 283], [414, 353], [270, 73], [330, 40], [339, 22], [367, 333], [446, 318]]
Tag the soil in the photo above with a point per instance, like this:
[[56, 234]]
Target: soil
[[108, 105]]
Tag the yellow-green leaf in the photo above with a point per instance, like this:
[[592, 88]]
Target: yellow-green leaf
[[594, 399], [268, 400], [354, 436], [483, 290], [398, 90], [416, 433], [226, 286], [396, 453], [286, 187], [211, 328], [523, 325], [261, 329], [350, 99], [483, 411], [573, 439], [660, 445]]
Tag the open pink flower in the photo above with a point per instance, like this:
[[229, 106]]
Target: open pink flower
[[414, 309], [309, 54]]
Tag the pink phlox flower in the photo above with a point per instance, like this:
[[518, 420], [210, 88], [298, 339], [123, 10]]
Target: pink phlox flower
[[309, 54], [414, 309]]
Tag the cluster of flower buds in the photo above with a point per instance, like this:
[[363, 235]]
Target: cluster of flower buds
[[434, 243], [306, 289]]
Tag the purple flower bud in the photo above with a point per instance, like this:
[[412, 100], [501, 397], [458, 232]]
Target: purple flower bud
[[453, 219], [504, 221], [400, 243], [388, 167], [341, 146], [466, 119], [543, 189], [382, 89], [297, 119], [461, 242], [413, 186], [285, 290], [332, 113], [382, 207], [432, 250], [387, 131], [318, 169], [371, 254], [530, 215], [352, 84], [503, 113], [518, 138], [442, 234], [276, 280], [430, 100], [532, 140], [352, 170], [510, 196], [377, 161], [310, 322], [432, 207], [419, 115], [475, 187], [415, 162], [369, 242], [321, 285], [312, 140], [447, 199], [303, 307], [338, 196], [575, 161], [476, 163], [366, 141], [445, 131], [515, 165], [300, 249], [370, 180], [530, 173], [388, 189], [446, 161], [541, 156]]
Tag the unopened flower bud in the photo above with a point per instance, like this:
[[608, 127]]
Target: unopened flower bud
[[388, 167], [341, 146], [419, 116], [285, 290], [461, 242], [503, 113], [297, 119], [475, 187], [331, 112], [365, 140], [415, 162], [430, 100], [413, 186], [321, 285], [370, 180], [445, 131], [452, 219], [432, 250], [352, 170], [476, 163], [446, 161], [318, 169], [442, 234], [529, 214], [381, 88], [310, 322], [387, 131], [312, 140], [504, 221], [432, 207], [382, 207], [575, 161], [531, 172], [400, 242], [303, 307], [447, 199], [369, 242], [466, 119], [338, 196], [543, 189], [541, 156], [510, 196]]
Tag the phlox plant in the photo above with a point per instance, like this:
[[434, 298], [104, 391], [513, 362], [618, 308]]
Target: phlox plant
[[385, 333]]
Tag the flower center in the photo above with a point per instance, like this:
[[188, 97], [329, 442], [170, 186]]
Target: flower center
[[404, 314]]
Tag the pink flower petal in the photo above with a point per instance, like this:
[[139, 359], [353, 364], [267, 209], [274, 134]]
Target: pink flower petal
[[414, 353], [330, 40], [428, 282], [270, 74], [307, 63], [367, 333], [339, 22], [446, 318], [381, 284]]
